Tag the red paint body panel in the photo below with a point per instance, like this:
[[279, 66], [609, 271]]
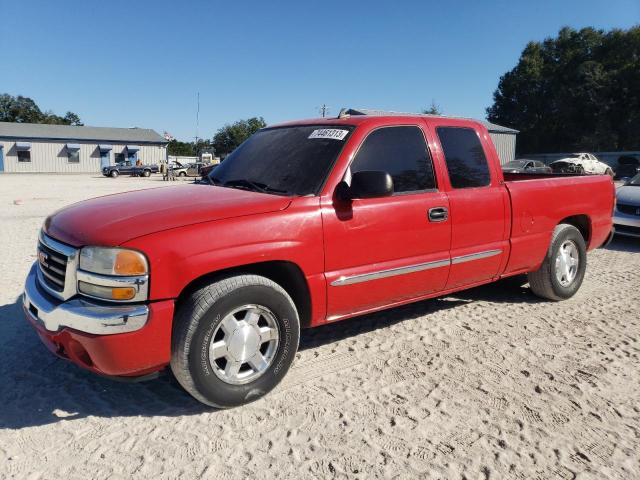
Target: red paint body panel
[[127, 354], [113, 219], [191, 231]]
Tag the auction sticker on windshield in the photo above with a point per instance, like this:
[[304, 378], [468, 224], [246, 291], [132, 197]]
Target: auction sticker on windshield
[[334, 133]]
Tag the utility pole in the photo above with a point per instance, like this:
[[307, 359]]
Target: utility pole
[[197, 123]]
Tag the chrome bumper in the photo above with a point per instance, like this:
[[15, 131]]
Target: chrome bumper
[[78, 313]]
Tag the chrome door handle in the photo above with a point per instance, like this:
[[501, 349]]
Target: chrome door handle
[[438, 214]]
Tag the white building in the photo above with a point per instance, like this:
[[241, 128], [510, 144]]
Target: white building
[[30, 147]]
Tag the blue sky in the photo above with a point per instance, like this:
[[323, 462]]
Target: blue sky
[[141, 63]]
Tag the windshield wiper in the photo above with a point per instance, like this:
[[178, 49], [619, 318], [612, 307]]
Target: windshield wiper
[[254, 186]]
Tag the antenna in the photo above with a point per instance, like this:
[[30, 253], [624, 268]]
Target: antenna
[[198, 117]]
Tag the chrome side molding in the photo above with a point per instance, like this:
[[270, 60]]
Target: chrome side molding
[[392, 272], [475, 256]]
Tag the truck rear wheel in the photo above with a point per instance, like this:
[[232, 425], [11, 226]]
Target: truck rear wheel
[[234, 340], [562, 271]]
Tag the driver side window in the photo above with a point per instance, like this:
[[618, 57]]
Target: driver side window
[[402, 153]]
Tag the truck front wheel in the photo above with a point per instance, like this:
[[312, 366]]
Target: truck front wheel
[[234, 340], [114, 173], [562, 271]]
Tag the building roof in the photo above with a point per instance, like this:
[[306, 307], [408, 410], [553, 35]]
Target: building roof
[[492, 127], [36, 131]]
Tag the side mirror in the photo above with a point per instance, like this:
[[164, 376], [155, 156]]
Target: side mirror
[[366, 184]]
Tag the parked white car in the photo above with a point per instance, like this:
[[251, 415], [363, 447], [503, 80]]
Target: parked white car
[[581, 163]]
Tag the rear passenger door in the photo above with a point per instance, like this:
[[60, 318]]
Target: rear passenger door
[[478, 206], [381, 251]]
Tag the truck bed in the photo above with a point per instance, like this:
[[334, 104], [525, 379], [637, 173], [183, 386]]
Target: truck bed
[[540, 201]]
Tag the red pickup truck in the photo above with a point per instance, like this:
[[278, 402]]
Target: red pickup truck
[[306, 223]]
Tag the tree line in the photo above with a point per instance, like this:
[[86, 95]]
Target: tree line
[[21, 109], [579, 91], [224, 141]]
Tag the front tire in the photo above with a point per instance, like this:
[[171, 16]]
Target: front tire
[[146, 173], [114, 173], [234, 340], [562, 271]]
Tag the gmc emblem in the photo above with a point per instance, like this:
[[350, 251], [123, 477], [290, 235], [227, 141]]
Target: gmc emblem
[[42, 258]]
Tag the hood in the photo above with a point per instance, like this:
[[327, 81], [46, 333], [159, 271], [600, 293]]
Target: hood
[[628, 195], [116, 219]]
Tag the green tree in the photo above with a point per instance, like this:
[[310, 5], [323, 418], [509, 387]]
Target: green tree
[[21, 109], [230, 136], [181, 149], [579, 91], [434, 109]]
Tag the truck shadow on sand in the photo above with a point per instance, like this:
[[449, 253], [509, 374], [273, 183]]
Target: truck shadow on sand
[[39, 389]]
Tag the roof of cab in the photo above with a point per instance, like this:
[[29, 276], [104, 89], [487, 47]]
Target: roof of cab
[[352, 116]]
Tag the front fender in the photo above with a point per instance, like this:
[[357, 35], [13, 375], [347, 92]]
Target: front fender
[[180, 255]]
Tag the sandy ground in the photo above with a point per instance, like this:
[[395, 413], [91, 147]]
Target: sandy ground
[[490, 383]]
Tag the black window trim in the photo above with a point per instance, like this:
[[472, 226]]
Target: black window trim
[[428, 150], [444, 157]]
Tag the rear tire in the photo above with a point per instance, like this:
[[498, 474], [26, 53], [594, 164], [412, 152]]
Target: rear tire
[[234, 340], [182, 174], [562, 271], [146, 173]]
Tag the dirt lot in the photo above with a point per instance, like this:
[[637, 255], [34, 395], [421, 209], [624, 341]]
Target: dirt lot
[[490, 383]]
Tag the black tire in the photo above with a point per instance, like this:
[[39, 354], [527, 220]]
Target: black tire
[[146, 173], [182, 174], [113, 173], [196, 322], [544, 282]]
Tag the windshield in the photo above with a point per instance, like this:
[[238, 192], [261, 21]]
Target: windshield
[[515, 164], [635, 181], [286, 160]]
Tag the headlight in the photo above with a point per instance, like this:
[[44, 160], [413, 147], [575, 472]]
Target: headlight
[[113, 261], [116, 274]]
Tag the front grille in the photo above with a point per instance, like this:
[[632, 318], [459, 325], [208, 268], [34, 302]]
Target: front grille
[[629, 209], [53, 266], [627, 229]]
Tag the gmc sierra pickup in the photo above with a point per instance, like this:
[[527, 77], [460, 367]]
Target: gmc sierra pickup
[[304, 224]]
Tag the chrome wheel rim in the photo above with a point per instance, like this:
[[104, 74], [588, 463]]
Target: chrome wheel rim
[[244, 344], [567, 263]]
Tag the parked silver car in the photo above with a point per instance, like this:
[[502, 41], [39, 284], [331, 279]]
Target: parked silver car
[[626, 218]]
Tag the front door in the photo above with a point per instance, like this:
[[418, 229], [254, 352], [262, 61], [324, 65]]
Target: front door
[[382, 251]]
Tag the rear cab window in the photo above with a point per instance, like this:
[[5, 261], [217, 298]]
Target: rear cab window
[[402, 152], [464, 157]]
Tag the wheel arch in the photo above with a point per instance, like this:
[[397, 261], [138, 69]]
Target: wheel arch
[[285, 273], [582, 223]]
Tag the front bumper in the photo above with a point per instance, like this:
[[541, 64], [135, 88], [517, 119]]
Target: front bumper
[[626, 224], [115, 340]]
